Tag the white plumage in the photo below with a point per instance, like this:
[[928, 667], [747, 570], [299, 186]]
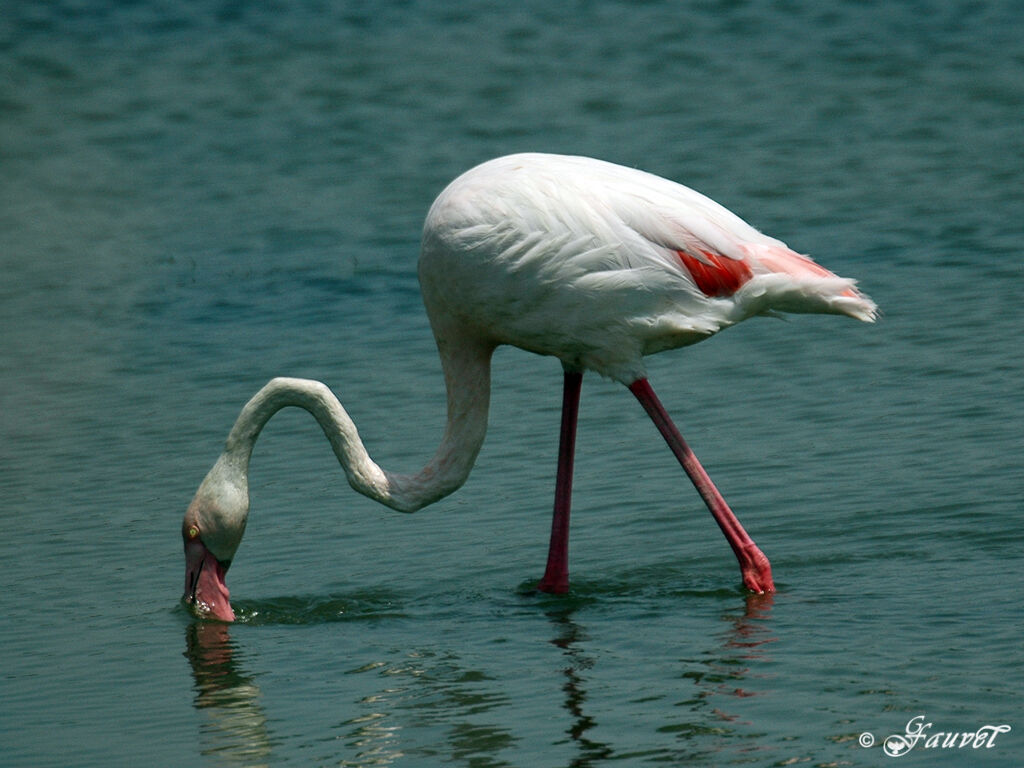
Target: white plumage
[[579, 258]]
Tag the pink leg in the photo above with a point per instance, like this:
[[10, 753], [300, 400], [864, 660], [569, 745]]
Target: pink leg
[[757, 571], [556, 575]]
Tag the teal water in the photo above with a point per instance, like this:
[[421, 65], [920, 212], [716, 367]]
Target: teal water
[[196, 197]]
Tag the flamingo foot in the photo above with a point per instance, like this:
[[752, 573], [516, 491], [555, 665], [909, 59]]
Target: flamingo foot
[[756, 570], [553, 585]]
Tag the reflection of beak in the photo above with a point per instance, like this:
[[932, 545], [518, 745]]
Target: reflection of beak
[[205, 589]]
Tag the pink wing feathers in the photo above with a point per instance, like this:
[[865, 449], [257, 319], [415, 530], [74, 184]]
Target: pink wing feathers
[[716, 275], [783, 279], [727, 258]]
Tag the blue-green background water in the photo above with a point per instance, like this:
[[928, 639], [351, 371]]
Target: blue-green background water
[[195, 197]]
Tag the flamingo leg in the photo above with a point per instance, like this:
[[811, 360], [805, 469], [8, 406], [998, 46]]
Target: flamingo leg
[[756, 570], [556, 574]]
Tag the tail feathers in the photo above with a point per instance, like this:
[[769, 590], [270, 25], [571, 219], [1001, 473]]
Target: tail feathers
[[787, 281]]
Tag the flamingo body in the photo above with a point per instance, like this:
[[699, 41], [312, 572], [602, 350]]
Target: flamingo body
[[600, 265], [592, 263]]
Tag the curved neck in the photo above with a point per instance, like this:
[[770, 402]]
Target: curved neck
[[467, 378]]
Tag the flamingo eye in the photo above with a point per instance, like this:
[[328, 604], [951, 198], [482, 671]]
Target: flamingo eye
[[193, 532]]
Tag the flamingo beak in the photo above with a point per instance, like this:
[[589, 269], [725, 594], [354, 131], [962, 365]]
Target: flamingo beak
[[205, 589]]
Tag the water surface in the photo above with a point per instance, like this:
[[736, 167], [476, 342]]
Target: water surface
[[196, 198]]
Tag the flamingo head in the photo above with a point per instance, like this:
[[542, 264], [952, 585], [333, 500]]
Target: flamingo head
[[212, 530]]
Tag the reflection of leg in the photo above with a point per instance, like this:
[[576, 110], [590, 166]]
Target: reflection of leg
[[570, 639], [556, 575], [757, 572]]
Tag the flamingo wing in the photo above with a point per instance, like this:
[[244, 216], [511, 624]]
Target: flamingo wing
[[724, 257]]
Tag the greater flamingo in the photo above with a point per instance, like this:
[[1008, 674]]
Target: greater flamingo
[[592, 263]]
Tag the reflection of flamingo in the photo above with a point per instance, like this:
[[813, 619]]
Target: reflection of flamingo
[[236, 727], [589, 262]]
